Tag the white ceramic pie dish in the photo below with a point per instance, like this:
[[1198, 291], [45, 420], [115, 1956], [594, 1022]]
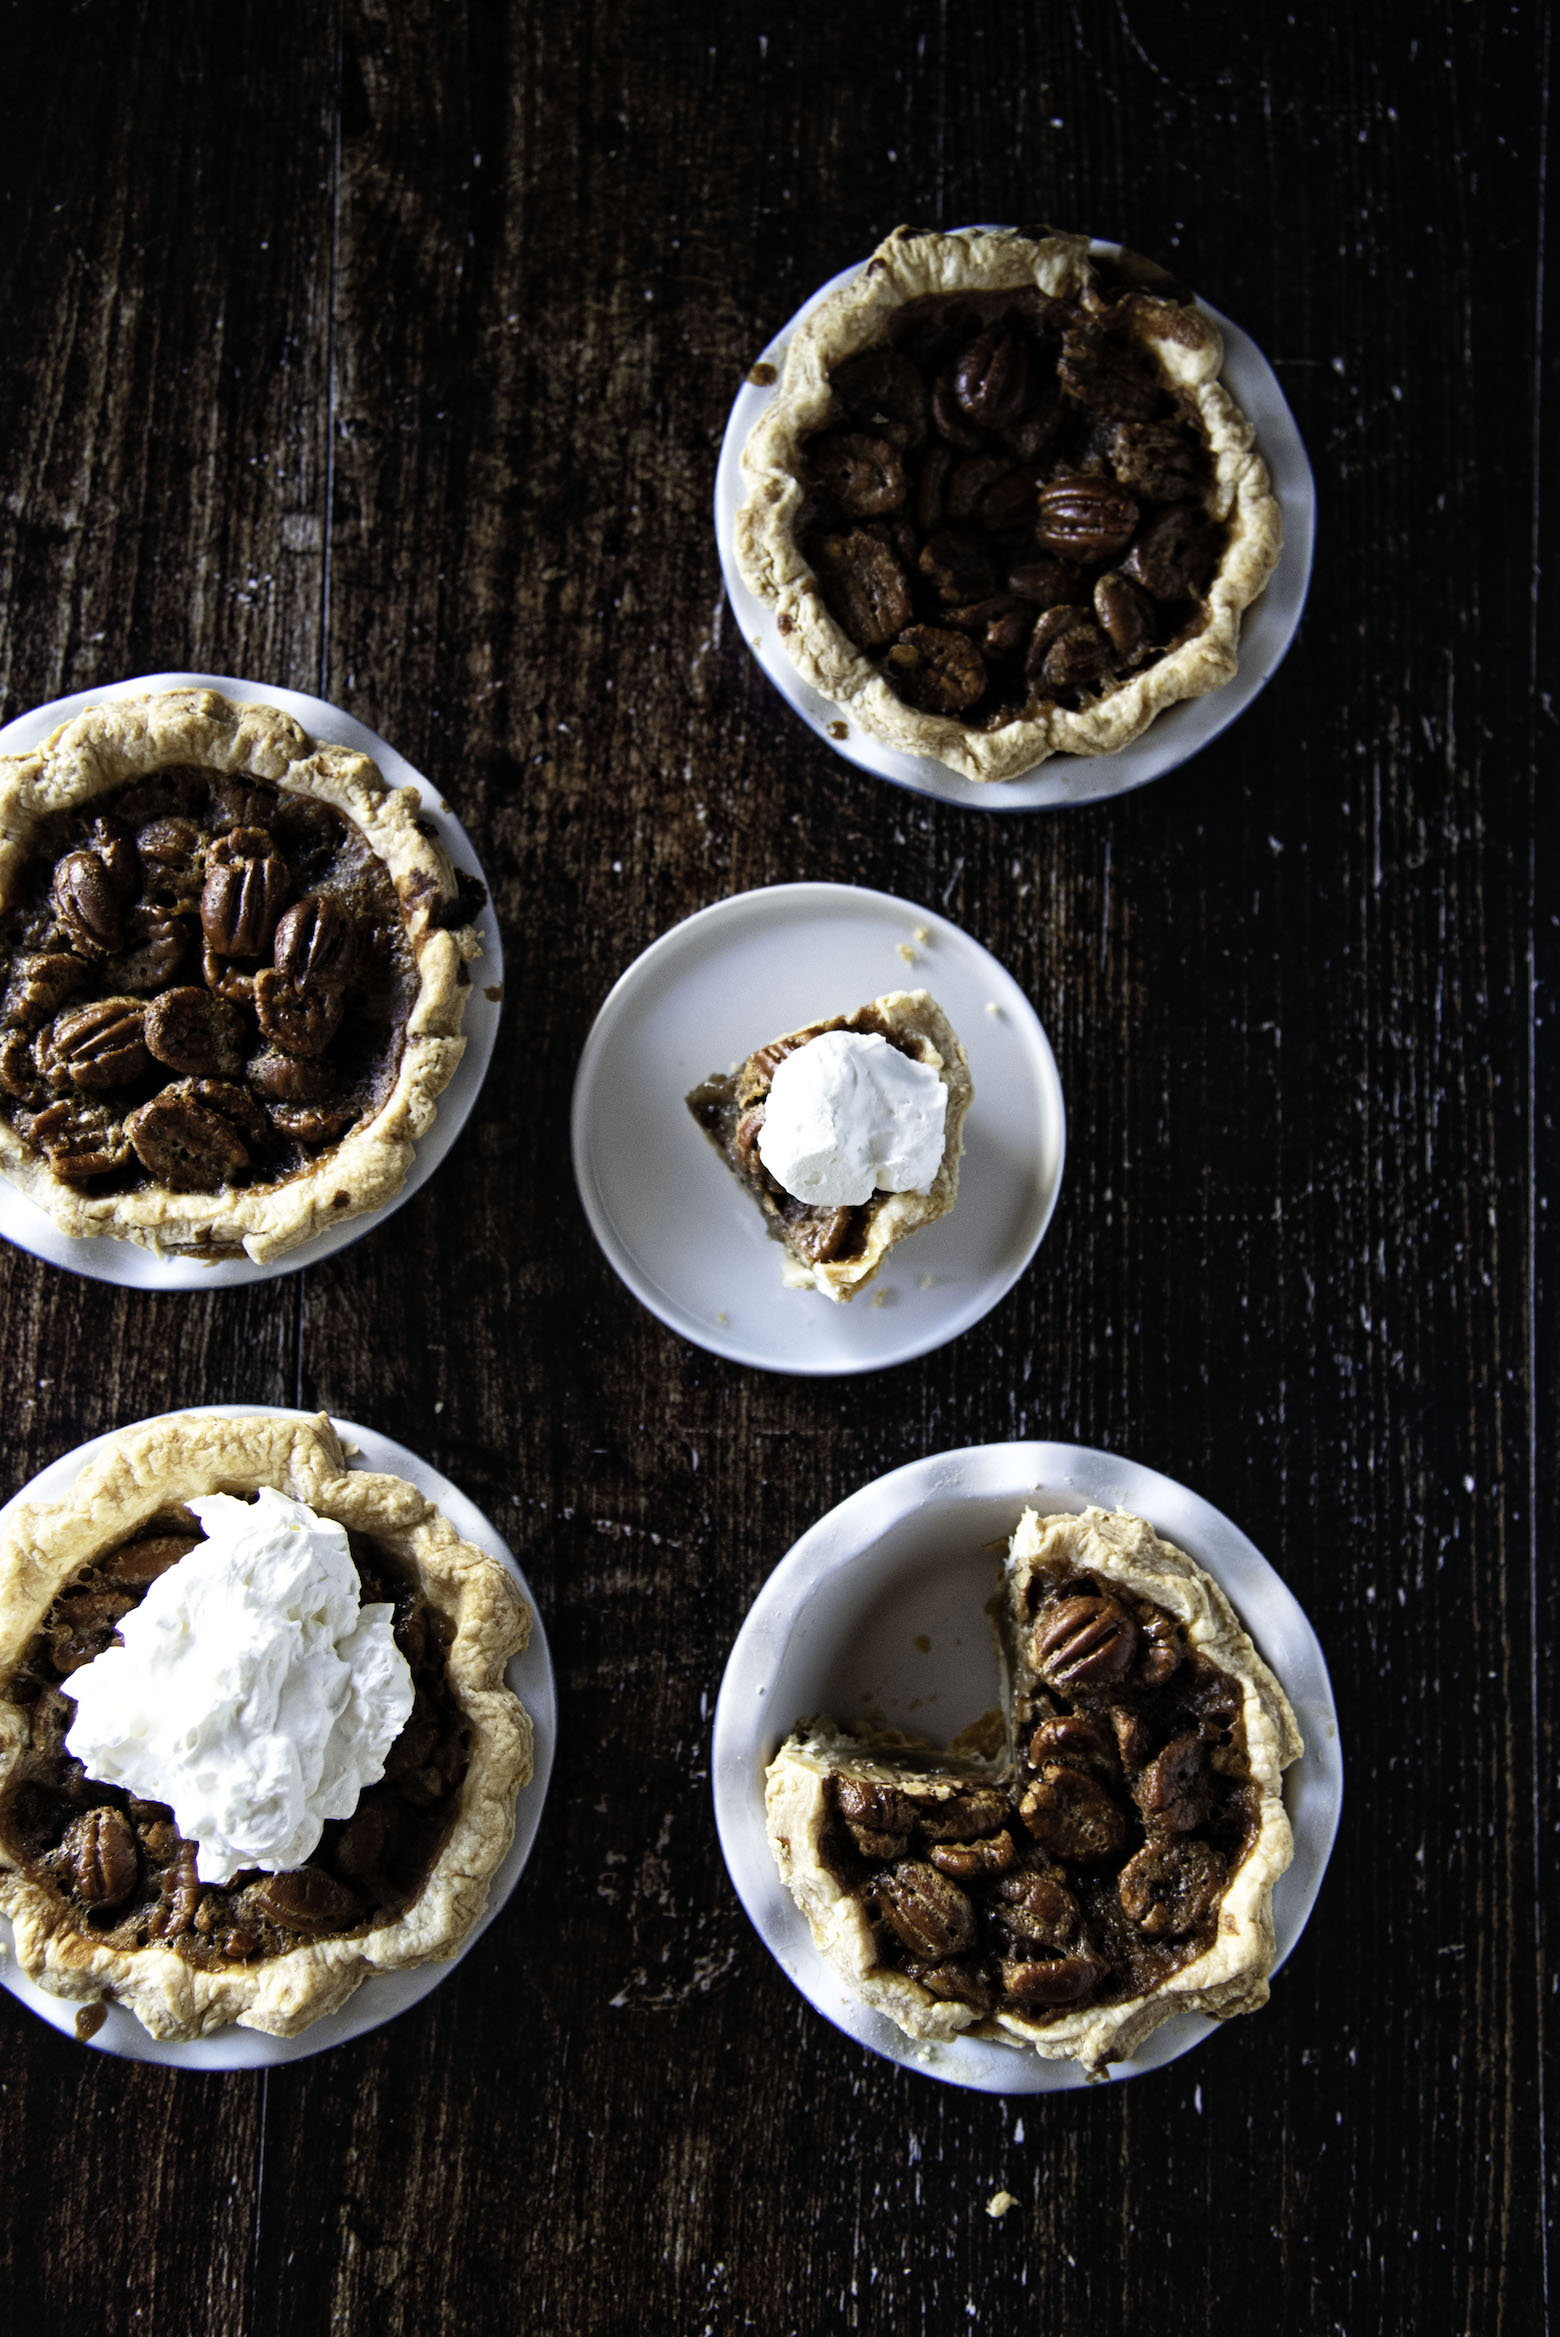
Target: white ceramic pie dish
[[671, 1217], [380, 1999], [108, 1259], [1175, 735], [878, 1614]]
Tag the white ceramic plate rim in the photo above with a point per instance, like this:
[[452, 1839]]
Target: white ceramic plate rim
[[1052, 1477], [106, 1258], [530, 1674], [1174, 736], [658, 962]]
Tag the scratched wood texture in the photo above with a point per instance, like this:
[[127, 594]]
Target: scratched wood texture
[[382, 349]]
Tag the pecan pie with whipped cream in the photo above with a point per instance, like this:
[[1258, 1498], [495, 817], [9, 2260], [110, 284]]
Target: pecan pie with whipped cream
[[192, 1929], [1113, 1866], [232, 976], [836, 1197], [1001, 502]]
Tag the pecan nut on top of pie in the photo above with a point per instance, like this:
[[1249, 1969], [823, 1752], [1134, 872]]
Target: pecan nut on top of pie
[[232, 976], [1108, 1863], [847, 1133], [256, 1744], [1001, 502]]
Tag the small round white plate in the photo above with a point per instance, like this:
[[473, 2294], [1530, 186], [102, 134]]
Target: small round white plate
[[530, 1674], [879, 1614], [1174, 736], [673, 1220], [107, 1259]]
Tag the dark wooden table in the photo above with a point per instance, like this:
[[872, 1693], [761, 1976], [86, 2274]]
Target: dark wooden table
[[383, 351]]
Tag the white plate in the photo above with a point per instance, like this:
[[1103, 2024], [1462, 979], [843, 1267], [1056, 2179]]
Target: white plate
[[1174, 736], [671, 1217], [878, 1613], [378, 2000], [108, 1259]]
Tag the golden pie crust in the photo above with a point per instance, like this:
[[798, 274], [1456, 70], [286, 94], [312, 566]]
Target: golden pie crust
[[108, 746], [1230, 1977], [913, 1021], [1190, 353], [146, 1471]]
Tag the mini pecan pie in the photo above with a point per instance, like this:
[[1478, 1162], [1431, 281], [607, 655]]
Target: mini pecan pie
[[833, 1248], [232, 976], [1113, 1866], [1001, 503], [105, 1898]]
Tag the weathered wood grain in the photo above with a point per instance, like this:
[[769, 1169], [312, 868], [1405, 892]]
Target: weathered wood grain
[[384, 350]]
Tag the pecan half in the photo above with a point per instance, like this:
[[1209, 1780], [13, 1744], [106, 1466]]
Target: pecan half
[[99, 1857], [861, 475], [89, 904], [299, 1021], [315, 943], [1125, 614], [1170, 1887], [939, 670], [1175, 556], [42, 984], [98, 1046], [1085, 519], [1083, 1643], [864, 585], [1108, 372], [244, 894], [185, 1142], [992, 380], [956, 565], [1073, 1816], [962, 1816], [1049, 1980], [1175, 1791], [928, 1914], [194, 1031], [79, 1139], [303, 1898], [1158, 460], [969, 1861]]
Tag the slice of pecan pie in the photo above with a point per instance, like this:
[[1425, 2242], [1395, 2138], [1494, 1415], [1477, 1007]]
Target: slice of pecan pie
[[1111, 1867], [1002, 504], [232, 976], [838, 1246], [108, 1901]]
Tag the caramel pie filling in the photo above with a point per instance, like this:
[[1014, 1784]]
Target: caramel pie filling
[[204, 984], [1095, 1864], [1008, 508], [117, 1865]]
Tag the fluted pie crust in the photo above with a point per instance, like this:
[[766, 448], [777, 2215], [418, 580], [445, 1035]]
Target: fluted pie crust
[[1230, 1976], [107, 747], [911, 1020], [142, 1474], [1189, 353]]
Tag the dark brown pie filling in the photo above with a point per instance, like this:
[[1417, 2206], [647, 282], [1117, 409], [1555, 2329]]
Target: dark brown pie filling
[[730, 1109], [204, 983], [1096, 1866], [1008, 507], [118, 1866]]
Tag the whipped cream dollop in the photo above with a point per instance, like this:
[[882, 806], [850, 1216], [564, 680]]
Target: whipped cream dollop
[[252, 1693], [849, 1116]]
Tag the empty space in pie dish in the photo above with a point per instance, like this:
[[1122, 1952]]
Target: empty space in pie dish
[[1176, 734], [107, 1258], [385, 1995], [917, 1555], [667, 1211]]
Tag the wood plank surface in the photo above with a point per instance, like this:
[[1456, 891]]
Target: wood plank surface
[[383, 349]]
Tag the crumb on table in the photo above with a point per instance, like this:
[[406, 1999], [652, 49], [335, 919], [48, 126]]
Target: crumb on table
[[999, 2203]]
